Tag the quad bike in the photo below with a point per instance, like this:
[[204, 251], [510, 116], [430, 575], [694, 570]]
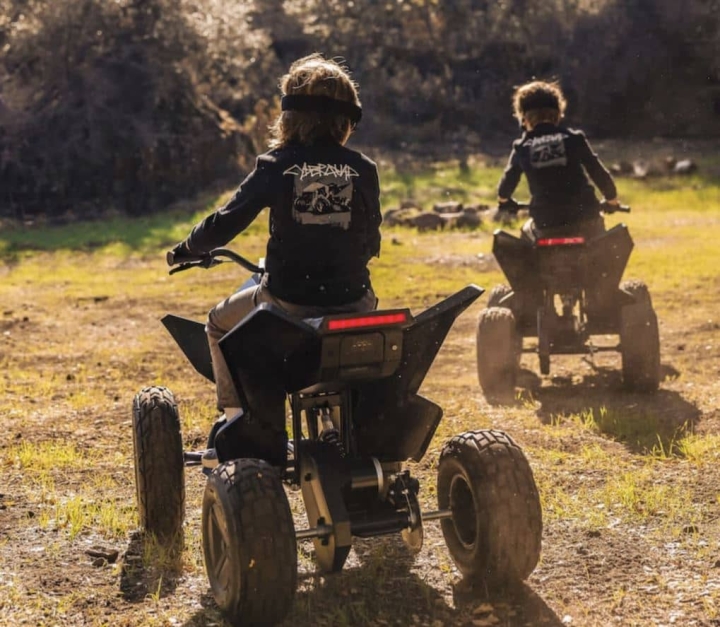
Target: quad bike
[[351, 381], [565, 288]]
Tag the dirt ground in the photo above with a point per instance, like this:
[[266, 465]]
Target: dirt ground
[[654, 565]]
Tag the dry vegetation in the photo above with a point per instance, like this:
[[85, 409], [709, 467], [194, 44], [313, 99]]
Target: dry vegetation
[[132, 105], [629, 483]]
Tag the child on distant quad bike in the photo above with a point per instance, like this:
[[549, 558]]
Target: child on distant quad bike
[[324, 214], [556, 161]]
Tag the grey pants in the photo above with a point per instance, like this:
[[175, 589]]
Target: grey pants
[[225, 315]]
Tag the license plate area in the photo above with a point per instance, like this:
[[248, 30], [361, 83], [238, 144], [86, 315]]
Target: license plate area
[[353, 355]]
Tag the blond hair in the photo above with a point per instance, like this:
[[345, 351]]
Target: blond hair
[[314, 75], [539, 101]]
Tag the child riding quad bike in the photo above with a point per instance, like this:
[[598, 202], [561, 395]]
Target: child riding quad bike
[[355, 417], [564, 288]]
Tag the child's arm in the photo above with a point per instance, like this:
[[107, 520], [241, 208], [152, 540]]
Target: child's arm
[[597, 171], [510, 178], [223, 225]]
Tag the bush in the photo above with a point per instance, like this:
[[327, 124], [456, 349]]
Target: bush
[[101, 109]]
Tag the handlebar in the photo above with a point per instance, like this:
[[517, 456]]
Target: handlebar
[[208, 260], [605, 207], [513, 206]]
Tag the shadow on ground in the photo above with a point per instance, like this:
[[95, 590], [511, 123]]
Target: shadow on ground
[[149, 569], [386, 585], [645, 423]]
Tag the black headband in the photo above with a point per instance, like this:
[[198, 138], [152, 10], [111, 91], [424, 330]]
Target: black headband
[[539, 100], [322, 104]]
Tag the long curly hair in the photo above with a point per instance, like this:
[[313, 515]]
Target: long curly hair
[[316, 76]]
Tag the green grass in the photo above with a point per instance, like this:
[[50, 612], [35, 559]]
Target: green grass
[[658, 203], [112, 233]]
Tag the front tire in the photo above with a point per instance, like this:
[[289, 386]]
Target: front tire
[[495, 532], [498, 354], [497, 294], [249, 544], [159, 463], [639, 340]]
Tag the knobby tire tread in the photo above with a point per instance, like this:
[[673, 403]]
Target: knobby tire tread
[[639, 340], [259, 518], [495, 465], [159, 463], [497, 354]]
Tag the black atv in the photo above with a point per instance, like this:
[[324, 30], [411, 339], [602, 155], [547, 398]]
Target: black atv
[[351, 381], [565, 288]]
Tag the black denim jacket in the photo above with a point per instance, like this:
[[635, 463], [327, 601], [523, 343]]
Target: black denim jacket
[[324, 202], [557, 162]]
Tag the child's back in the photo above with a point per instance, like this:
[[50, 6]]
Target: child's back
[[556, 161]]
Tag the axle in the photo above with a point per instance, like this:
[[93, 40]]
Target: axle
[[373, 527]]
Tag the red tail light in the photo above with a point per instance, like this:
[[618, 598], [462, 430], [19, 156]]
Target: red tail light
[[379, 320], [560, 241]]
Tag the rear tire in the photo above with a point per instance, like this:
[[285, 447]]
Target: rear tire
[[159, 464], [497, 354], [495, 532], [249, 544], [639, 340]]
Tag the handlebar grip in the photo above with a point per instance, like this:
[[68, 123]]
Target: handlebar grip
[[179, 255]]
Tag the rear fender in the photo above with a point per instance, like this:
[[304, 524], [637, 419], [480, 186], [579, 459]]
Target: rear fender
[[270, 353], [607, 256], [515, 257], [192, 340], [394, 423]]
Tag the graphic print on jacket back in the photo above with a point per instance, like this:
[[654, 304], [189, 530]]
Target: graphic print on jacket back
[[547, 150], [322, 194]]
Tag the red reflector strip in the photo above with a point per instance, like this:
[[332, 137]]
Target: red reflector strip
[[560, 241], [366, 321]]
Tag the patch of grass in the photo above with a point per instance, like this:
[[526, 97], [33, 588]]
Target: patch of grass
[[640, 495], [197, 415], [428, 184], [578, 506], [40, 457], [113, 232], [160, 556], [77, 514], [612, 491], [642, 429], [700, 449]]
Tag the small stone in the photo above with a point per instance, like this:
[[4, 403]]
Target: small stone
[[427, 222], [109, 555], [448, 207], [685, 166]]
